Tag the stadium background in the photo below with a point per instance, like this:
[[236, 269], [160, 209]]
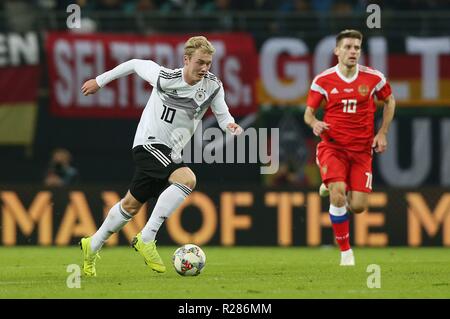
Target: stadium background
[[271, 50]]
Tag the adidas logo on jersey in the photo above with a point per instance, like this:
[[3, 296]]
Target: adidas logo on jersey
[[334, 91]]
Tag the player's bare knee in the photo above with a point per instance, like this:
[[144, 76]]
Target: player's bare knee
[[188, 180], [357, 208], [130, 208], [184, 176], [338, 200], [337, 197], [130, 204], [191, 182]]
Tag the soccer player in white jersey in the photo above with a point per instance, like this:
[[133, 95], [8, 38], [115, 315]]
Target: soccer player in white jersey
[[177, 104]]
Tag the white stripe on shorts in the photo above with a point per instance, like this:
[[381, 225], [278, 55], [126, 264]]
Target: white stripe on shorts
[[157, 156], [160, 153]]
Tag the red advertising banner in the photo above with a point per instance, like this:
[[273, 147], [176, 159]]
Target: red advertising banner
[[75, 58], [18, 84]]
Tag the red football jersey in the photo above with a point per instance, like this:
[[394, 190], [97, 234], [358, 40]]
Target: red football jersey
[[350, 106]]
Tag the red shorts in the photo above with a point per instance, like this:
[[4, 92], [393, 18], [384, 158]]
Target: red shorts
[[341, 165]]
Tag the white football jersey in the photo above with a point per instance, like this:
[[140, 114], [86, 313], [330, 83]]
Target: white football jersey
[[175, 108]]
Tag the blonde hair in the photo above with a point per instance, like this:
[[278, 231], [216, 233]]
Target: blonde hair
[[199, 42]]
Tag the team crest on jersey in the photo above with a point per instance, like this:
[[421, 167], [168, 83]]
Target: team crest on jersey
[[200, 94], [363, 89]]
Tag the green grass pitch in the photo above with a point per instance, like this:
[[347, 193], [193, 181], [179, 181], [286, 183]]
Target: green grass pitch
[[237, 272]]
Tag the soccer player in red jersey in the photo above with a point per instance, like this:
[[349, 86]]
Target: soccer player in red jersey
[[344, 155]]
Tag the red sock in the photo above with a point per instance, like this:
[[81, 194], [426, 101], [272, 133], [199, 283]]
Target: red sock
[[341, 232]]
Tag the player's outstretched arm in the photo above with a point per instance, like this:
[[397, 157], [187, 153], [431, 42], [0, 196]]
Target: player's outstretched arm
[[146, 69], [317, 126], [379, 143]]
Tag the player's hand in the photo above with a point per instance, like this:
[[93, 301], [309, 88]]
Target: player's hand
[[90, 87], [319, 126], [234, 128], [379, 143]]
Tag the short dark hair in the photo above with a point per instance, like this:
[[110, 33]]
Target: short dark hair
[[349, 33]]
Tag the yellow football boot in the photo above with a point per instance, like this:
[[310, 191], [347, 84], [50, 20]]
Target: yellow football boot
[[149, 252], [89, 257]]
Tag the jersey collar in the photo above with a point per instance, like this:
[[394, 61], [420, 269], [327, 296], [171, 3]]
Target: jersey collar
[[345, 79]]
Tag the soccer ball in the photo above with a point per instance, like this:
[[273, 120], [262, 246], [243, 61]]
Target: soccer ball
[[189, 260]]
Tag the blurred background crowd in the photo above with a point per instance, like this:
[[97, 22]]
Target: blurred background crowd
[[134, 6], [24, 12]]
